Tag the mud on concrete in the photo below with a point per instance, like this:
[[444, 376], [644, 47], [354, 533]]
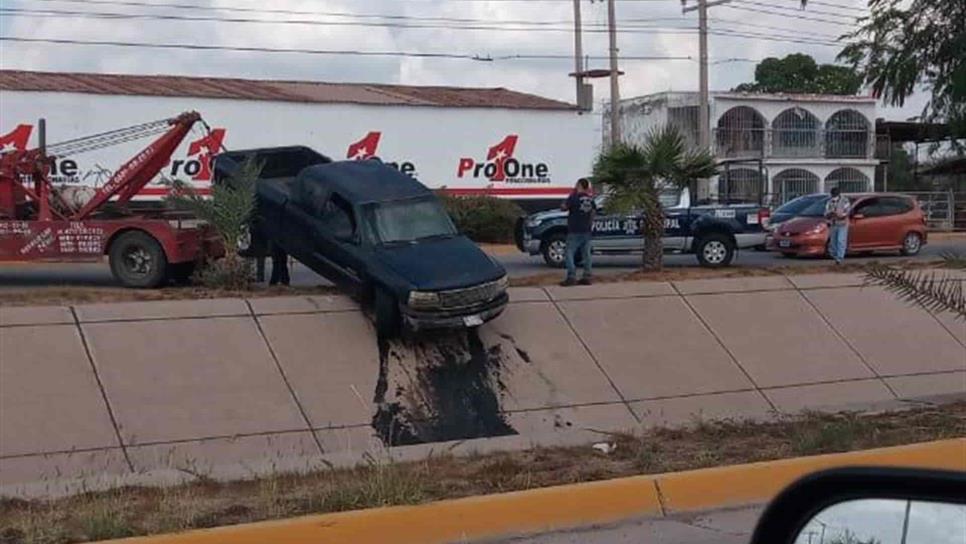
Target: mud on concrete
[[441, 386]]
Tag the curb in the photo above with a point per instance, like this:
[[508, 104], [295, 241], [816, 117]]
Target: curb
[[567, 506]]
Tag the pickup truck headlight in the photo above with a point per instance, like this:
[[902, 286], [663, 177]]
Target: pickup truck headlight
[[503, 283], [423, 299], [533, 223]]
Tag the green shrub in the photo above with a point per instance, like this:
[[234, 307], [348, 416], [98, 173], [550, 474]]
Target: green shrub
[[484, 219]]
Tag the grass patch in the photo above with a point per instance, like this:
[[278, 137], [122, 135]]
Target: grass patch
[[382, 482]]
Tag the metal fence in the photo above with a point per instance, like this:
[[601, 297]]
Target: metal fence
[[793, 143], [940, 208]]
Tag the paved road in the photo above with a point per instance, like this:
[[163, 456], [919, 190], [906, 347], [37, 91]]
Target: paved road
[[717, 527], [517, 264]]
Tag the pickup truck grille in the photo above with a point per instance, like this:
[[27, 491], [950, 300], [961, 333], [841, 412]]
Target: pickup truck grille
[[470, 296]]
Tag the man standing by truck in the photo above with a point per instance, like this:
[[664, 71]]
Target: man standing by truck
[[580, 208], [837, 215]]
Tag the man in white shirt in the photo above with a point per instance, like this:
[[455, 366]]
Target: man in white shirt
[[837, 214]]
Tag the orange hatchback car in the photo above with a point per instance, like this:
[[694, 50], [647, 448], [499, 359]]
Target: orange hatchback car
[[877, 222]]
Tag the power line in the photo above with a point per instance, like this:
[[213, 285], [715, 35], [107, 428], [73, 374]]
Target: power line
[[789, 15], [275, 11], [772, 27], [191, 18], [797, 38], [251, 49], [794, 10]]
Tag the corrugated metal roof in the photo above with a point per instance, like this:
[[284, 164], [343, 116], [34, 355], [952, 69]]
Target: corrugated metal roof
[[285, 91]]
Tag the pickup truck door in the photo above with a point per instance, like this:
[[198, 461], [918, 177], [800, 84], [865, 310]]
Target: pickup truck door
[[338, 245], [617, 232]]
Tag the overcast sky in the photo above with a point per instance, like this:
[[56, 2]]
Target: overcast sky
[[668, 34]]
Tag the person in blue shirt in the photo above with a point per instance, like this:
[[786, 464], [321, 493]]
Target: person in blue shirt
[[580, 208]]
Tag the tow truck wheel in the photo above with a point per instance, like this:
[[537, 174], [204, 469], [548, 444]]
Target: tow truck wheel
[[137, 260], [554, 250], [386, 314], [715, 250]]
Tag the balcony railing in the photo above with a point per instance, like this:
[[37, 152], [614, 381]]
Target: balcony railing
[[793, 143]]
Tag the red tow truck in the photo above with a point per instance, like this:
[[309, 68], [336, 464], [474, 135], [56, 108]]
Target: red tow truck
[[42, 222]]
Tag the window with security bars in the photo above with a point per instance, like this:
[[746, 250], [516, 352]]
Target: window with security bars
[[847, 135], [740, 133], [795, 133], [740, 185], [848, 180], [795, 182]]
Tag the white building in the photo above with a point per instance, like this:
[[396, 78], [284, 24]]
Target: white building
[[782, 145]]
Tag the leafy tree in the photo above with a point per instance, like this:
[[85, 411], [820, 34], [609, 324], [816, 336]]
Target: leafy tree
[[228, 210], [634, 176], [799, 73], [903, 46]]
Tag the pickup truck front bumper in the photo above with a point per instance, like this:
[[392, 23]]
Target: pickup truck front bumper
[[471, 316]]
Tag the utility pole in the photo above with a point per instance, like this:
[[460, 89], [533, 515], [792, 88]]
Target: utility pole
[[615, 97], [578, 52], [704, 114]]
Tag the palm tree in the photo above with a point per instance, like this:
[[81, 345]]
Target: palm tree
[[933, 291], [229, 211], [634, 176]]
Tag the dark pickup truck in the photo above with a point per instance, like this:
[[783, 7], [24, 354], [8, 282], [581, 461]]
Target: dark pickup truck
[[712, 232], [378, 234]]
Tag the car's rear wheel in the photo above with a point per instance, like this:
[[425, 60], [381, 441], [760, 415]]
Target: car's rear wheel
[[715, 250], [554, 250], [911, 244]]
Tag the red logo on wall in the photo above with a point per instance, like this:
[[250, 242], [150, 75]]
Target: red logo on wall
[[16, 140], [201, 152], [365, 148], [368, 148], [502, 166]]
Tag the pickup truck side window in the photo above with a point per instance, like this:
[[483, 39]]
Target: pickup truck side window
[[338, 217]]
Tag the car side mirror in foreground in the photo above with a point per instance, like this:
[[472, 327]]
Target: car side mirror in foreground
[[868, 506]]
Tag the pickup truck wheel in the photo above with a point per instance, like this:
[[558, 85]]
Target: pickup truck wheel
[[554, 250], [137, 260], [386, 311], [715, 250]]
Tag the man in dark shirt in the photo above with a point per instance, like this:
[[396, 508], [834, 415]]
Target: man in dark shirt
[[580, 208]]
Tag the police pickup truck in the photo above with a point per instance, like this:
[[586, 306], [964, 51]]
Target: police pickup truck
[[712, 232]]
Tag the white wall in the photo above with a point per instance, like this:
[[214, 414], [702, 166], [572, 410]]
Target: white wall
[[433, 140]]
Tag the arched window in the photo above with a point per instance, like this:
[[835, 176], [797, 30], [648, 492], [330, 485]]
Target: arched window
[[848, 180], [740, 133], [795, 182], [847, 135], [740, 185], [795, 134]]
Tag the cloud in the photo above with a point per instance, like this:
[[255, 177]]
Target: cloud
[[544, 77]]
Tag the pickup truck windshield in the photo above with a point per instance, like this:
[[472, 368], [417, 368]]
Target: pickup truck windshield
[[409, 220]]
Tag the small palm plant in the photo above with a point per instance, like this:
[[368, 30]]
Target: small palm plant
[[935, 291], [635, 175], [228, 210]]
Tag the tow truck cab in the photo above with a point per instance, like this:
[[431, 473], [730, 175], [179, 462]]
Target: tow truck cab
[[378, 234]]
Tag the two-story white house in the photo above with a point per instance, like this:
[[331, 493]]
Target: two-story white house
[[782, 145]]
